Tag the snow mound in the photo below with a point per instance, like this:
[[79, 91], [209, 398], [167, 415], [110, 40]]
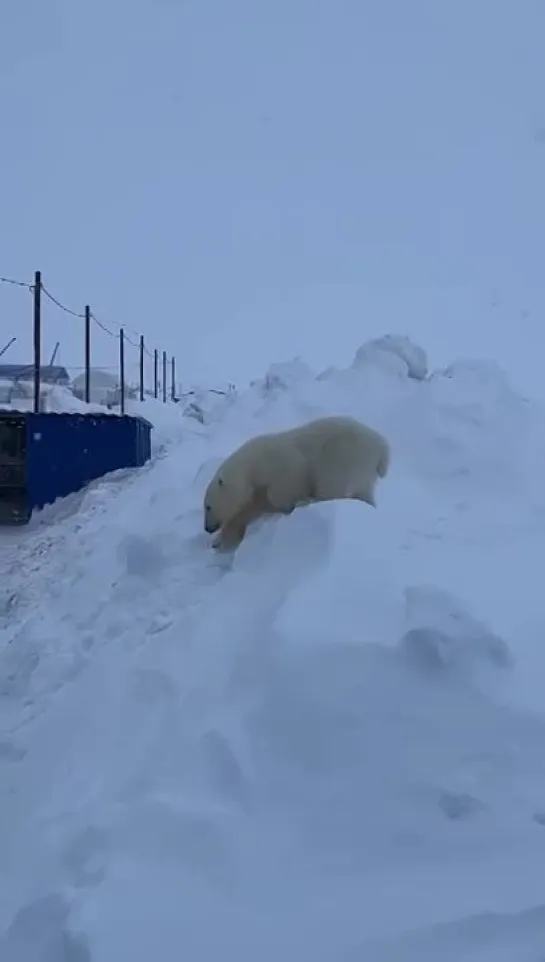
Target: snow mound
[[283, 376], [327, 746], [53, 398], [441, 634], [60, 400], [396, 353], [482, 385]]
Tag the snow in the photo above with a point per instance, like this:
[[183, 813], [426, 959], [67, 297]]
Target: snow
[[325, 748], [54, 399], [414, 362]]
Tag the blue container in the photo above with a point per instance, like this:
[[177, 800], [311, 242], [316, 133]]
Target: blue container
[[48, 456]]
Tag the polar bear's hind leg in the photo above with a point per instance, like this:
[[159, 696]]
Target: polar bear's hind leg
[[384, 461], [365, 493]]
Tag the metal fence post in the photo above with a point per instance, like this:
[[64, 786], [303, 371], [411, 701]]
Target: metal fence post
[[164, 377], [87, 353], [37, 338], [173, 379], [122, 367], [141, 367]]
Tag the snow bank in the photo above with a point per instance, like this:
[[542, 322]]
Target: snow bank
[[328, 746], [167, 419], [53, 397], [395, 353]]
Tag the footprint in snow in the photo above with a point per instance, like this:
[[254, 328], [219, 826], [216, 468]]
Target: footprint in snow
[[11, 753], [39, 932], [84, 856]]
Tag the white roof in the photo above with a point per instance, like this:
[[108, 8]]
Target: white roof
[[98, 378]]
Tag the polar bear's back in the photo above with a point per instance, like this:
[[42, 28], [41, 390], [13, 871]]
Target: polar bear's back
[[339, 438], [260, 458], [334, 446], [345, 456]]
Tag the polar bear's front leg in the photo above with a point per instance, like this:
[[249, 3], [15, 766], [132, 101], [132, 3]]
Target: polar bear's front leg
[[230, 536], [234, 530]]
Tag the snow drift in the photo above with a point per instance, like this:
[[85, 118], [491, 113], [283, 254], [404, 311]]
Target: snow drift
[[326, 747]]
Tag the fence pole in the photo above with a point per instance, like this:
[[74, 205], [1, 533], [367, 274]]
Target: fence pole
[[87, 353], [122, 367], [164, 377], [37, 338], [156, 373], [173, 378], [141, 367]]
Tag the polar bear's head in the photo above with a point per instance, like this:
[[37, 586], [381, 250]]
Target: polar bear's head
[[226, 495]]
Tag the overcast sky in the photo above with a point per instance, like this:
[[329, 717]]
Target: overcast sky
[[244, 181]]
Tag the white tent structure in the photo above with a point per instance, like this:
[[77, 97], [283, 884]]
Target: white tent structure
[[104, 386]]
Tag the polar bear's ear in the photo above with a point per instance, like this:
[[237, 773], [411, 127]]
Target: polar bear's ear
[[221, 482]]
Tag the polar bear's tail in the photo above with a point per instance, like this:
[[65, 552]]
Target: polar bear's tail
[[384, 461]]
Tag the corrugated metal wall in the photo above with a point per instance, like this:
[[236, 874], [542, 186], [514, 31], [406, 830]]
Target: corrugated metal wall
[[66, 451]]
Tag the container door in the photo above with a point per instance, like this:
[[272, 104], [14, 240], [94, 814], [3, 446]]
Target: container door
[[13, 488]]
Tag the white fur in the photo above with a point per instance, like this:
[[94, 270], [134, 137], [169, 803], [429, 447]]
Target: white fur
[[323, 460]]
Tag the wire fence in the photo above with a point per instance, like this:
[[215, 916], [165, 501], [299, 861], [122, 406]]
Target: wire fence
[[91, 385]]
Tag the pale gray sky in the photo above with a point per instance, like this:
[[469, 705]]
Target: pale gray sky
[[244, 181]]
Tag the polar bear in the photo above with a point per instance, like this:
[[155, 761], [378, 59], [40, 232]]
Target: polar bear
[[322, 460]]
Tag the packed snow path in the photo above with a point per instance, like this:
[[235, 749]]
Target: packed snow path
[[329, 748]]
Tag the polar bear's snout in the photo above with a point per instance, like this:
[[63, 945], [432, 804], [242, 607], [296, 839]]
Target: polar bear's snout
[[211, 524]]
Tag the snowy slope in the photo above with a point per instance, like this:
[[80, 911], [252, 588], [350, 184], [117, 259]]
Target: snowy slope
[[329, 747]]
